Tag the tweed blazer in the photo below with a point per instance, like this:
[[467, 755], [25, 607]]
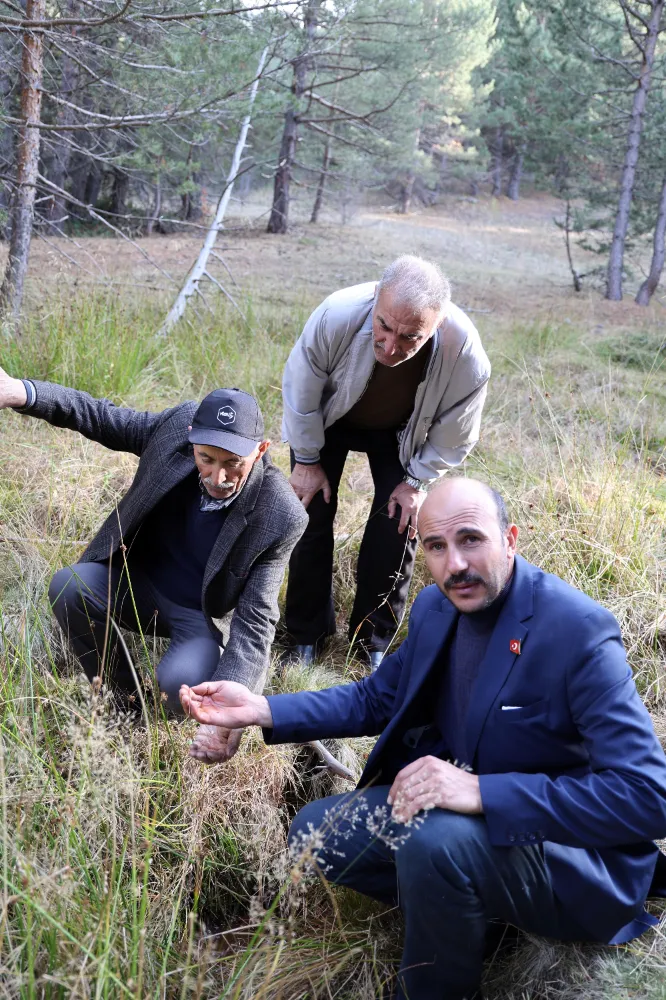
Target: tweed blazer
[[247, 564]]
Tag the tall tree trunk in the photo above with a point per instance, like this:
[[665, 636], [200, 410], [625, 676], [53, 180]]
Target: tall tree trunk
[[567, 239], [93, 184], [27, 164], [279, 217], [616, 260], [561, 174], [498, 162], [406, 192], [62, 150], [157, 207], [649, 286], [119, 191], [323, 176], [6, 134], [442, 161], [321, 184], [407, 189], [191, 210], [513, 188]]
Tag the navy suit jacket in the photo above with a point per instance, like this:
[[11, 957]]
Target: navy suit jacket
[[564, 748]]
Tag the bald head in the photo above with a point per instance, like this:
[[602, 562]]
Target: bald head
[[459, 489], [468, 542]]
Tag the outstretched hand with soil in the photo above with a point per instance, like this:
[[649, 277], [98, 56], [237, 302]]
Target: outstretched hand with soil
[[215, 745]]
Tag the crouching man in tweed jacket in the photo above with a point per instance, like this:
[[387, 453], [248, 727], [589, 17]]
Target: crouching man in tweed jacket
[[204, 532]]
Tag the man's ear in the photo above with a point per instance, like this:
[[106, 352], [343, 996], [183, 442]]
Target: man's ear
[[263, 447], [512, 537]]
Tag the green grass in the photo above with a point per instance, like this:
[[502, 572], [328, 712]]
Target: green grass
[[129, 870], [106, 345], [644, 350]]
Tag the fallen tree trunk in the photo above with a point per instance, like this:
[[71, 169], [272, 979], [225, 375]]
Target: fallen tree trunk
[[198, 271]]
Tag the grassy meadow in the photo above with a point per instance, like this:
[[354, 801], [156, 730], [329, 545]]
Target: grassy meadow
[[129, 870]]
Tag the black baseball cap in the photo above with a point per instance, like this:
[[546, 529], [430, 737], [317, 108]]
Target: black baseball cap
[[230, 419]]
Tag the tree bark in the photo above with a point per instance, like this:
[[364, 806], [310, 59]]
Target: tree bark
[[567, 238], [407, 188], [321, 184], [93, 184], [157, 208], [119, 191], [406, 192], [27, 165], [513, 188], [616, 259], [561, 176], [649, 286], [6, 135], [62, 150], [279, 218], [498, 162]]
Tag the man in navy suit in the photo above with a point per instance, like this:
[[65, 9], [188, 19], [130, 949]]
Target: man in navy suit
[[550, 824]]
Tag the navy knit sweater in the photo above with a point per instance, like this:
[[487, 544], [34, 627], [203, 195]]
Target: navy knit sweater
[[461, 659]]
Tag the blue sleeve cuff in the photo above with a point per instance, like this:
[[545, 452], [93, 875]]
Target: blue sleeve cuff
[[282, 711], [31, 393]]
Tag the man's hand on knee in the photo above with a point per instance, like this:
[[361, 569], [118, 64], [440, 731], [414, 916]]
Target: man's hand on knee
[[431, 783], [307, 480], [214, 745], [409, 500]]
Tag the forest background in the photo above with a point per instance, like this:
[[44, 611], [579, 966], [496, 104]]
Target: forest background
[[521, 145]]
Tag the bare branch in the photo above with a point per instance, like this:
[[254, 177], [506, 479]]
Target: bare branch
[[13, 24], [22, 23]]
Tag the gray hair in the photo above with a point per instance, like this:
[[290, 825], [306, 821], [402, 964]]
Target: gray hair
[[416, 282]]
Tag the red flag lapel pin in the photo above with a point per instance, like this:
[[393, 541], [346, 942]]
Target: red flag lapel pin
[[514, 646]]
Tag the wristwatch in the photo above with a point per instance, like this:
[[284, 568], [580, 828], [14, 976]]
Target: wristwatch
[[416, 484]]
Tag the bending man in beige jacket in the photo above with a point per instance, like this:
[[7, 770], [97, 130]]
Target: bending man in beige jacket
[[395, 370]]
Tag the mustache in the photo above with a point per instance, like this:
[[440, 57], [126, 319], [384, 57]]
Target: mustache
[[456, 579], [224, 486]]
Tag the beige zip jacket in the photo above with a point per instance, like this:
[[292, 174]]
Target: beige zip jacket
[[331, 363]]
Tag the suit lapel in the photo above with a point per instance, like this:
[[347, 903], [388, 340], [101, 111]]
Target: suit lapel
[[432, 637], [156, 484], [500, 659]]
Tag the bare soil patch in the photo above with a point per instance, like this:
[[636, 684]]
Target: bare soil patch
[[505, 259]]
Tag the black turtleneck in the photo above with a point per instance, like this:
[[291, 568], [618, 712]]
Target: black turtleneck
[[460, 662]]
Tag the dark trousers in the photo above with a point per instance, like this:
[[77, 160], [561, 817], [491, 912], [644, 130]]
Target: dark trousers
[[83, 596], [450, 882], [385, 560]]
